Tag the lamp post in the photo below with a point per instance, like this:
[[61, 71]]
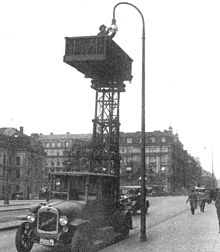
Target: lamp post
[[114, 29], [212, 171]]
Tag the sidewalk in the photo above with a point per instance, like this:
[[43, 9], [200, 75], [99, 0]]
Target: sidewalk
[[183, 233], [12, 206]]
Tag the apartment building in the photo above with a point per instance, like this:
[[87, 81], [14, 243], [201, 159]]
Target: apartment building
[[57, 148], [21, 164], [168, 166]]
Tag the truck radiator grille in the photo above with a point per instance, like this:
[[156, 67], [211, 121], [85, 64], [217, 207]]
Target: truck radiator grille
[[47, 221]]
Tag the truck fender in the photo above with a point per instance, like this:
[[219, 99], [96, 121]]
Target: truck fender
[[81, 225]]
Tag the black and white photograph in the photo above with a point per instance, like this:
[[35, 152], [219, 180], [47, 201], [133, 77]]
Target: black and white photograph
[[109, 128]]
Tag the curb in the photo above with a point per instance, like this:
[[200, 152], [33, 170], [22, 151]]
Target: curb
[[14, 209], [9, 225], [14, 205]]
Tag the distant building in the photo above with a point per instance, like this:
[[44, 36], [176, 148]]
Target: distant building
[[168, 166], [208, 179], [25, 161], [57, 148], [165, 158], [21, 164]]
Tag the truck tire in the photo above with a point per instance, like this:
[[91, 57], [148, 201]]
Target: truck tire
[[125, 229], [22, 243], [80, 243]]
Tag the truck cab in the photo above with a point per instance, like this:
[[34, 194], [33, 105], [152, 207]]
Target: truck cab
[[83, 212]]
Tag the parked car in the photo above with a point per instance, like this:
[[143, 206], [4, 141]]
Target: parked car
[[18, 196], [131, 197], [83, 209]]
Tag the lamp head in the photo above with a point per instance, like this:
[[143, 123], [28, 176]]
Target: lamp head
[[113, 28]]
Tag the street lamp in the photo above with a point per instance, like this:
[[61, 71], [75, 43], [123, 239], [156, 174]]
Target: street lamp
[[212, 172], [114, 29]]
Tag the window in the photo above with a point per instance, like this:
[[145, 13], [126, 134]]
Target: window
[[152, 159], [48, 145], [163, 169], [129, 140], [53, 144], [152, 139], [58, 144], [9, 160], [163, 139], [67, 144], [164, 149], [163, 158], [157, 149], [123, 150], [18, 160], [152, 149], [17, 173], [4, 159]]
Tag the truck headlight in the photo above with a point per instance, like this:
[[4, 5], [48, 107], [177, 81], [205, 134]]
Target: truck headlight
[[63, 220], [31, 217]]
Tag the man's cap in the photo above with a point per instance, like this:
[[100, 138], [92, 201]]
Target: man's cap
[[102, 26]]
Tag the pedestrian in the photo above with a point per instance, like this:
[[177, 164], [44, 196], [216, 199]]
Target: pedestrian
[[217, 205], [203, 198], [192, 199]]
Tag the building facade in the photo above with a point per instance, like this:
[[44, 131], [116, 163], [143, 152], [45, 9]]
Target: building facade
[[168, 166], [57, 148], [21, 164], [25, 161], [167, 163]]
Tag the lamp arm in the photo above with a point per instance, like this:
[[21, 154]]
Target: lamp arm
[[142, 17]]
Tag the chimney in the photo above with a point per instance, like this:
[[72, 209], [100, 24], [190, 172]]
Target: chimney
[[22, 130]]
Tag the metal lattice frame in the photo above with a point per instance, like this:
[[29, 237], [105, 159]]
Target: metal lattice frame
[[105, 150]]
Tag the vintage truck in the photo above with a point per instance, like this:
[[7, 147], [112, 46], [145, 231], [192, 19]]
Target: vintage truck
[[83, 213]]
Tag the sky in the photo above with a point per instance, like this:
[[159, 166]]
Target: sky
[[43, 94]]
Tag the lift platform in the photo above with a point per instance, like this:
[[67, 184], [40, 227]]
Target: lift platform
[[98, 58]]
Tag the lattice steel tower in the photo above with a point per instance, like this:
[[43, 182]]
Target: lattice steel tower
[[102, 60]]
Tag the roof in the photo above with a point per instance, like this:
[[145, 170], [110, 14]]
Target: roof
[[134, 187], [64, 136], [82, 174], [10, 132]]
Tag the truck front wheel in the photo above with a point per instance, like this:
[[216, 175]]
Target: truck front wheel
[[22, 239]]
